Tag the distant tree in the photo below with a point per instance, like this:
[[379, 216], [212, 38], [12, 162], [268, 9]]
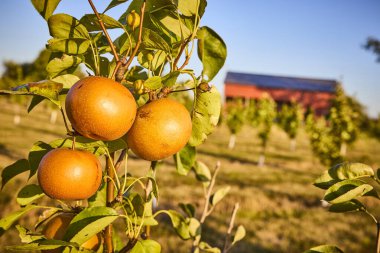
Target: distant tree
[[374, 126], [322, 141], [234, 120], [343, 121], [265, 114], [290, 118], [373, 44], [251, 113]]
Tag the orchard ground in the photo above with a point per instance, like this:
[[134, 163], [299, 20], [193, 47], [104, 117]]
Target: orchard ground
[[279, 207]]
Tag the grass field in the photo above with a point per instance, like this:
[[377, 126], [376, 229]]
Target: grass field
[[279, 207]]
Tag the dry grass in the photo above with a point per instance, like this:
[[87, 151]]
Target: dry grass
[[279, 206]]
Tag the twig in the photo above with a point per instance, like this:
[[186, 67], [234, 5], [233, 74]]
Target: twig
[[229, 231], [131, 243], [206, 212], [121, 67], [104, 30], [109, 199], [65, 121], [183, 46], [121, 159]]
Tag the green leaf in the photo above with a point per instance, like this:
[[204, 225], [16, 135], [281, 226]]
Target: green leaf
[[36, 100], [189, 209], [63, 26], [212, 52], [45, 7], [114, 3], [159, 58], [46, 245], [68, 46], [89, 222], [7, 222], [179, 224], [146, 246], [205, 115], [347, 190], [219, 195], [324, 249], [67, 80], [169, 23], [46, 88], [28, 194], [341, 172], [26, 235], [205, 247], [124, 43], [170, 79], [239, 235], [185, 159], [36, 153], [57, 66], [194, 227], [349, 206], [152, 40], [99, 198], [13, 170], [98, 148], [90, 21], [153, 83], [202, 172], [191, 8]]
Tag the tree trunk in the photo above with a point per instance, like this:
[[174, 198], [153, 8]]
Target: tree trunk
[[293, 144], [231, 143], [343, 149], [261, 160], [53, 116]]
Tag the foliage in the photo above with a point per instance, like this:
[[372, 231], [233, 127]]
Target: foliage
[[160, 35], [342, 119], [346, 184], [290, 118], [373, 44], [265, 113], [322, 143], [235, 116]]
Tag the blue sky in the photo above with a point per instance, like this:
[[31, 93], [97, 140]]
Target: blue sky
[[318, 39]]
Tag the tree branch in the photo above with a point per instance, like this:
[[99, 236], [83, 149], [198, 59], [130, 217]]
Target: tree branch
[[104, 30], [121, 67]]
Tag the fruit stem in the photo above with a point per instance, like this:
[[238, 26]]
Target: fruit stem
[[121, 67], [104, 30], [110, 197]]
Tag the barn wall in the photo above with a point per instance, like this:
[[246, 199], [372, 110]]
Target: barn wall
[[319, 101]]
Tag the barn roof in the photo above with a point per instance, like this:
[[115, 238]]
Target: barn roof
[[281, 82]]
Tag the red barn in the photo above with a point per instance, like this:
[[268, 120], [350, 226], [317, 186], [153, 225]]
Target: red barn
[[310, 93]]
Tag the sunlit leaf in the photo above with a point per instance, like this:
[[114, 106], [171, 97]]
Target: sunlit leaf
[[349, 206], [90, 21], [26, 235], [179, 224], [114, 3], [89, 222], [64, 26], [8, 221], [190, 8], [205, 115], [341, 172], [219, 195], [185, 160], [45, 7], [239, 235], [68, 46], [153, 83], [146, 246], [212, 52], [202, 172], [58, 65], [28, 194], [13, 170], [347, 190], [324, 249]]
